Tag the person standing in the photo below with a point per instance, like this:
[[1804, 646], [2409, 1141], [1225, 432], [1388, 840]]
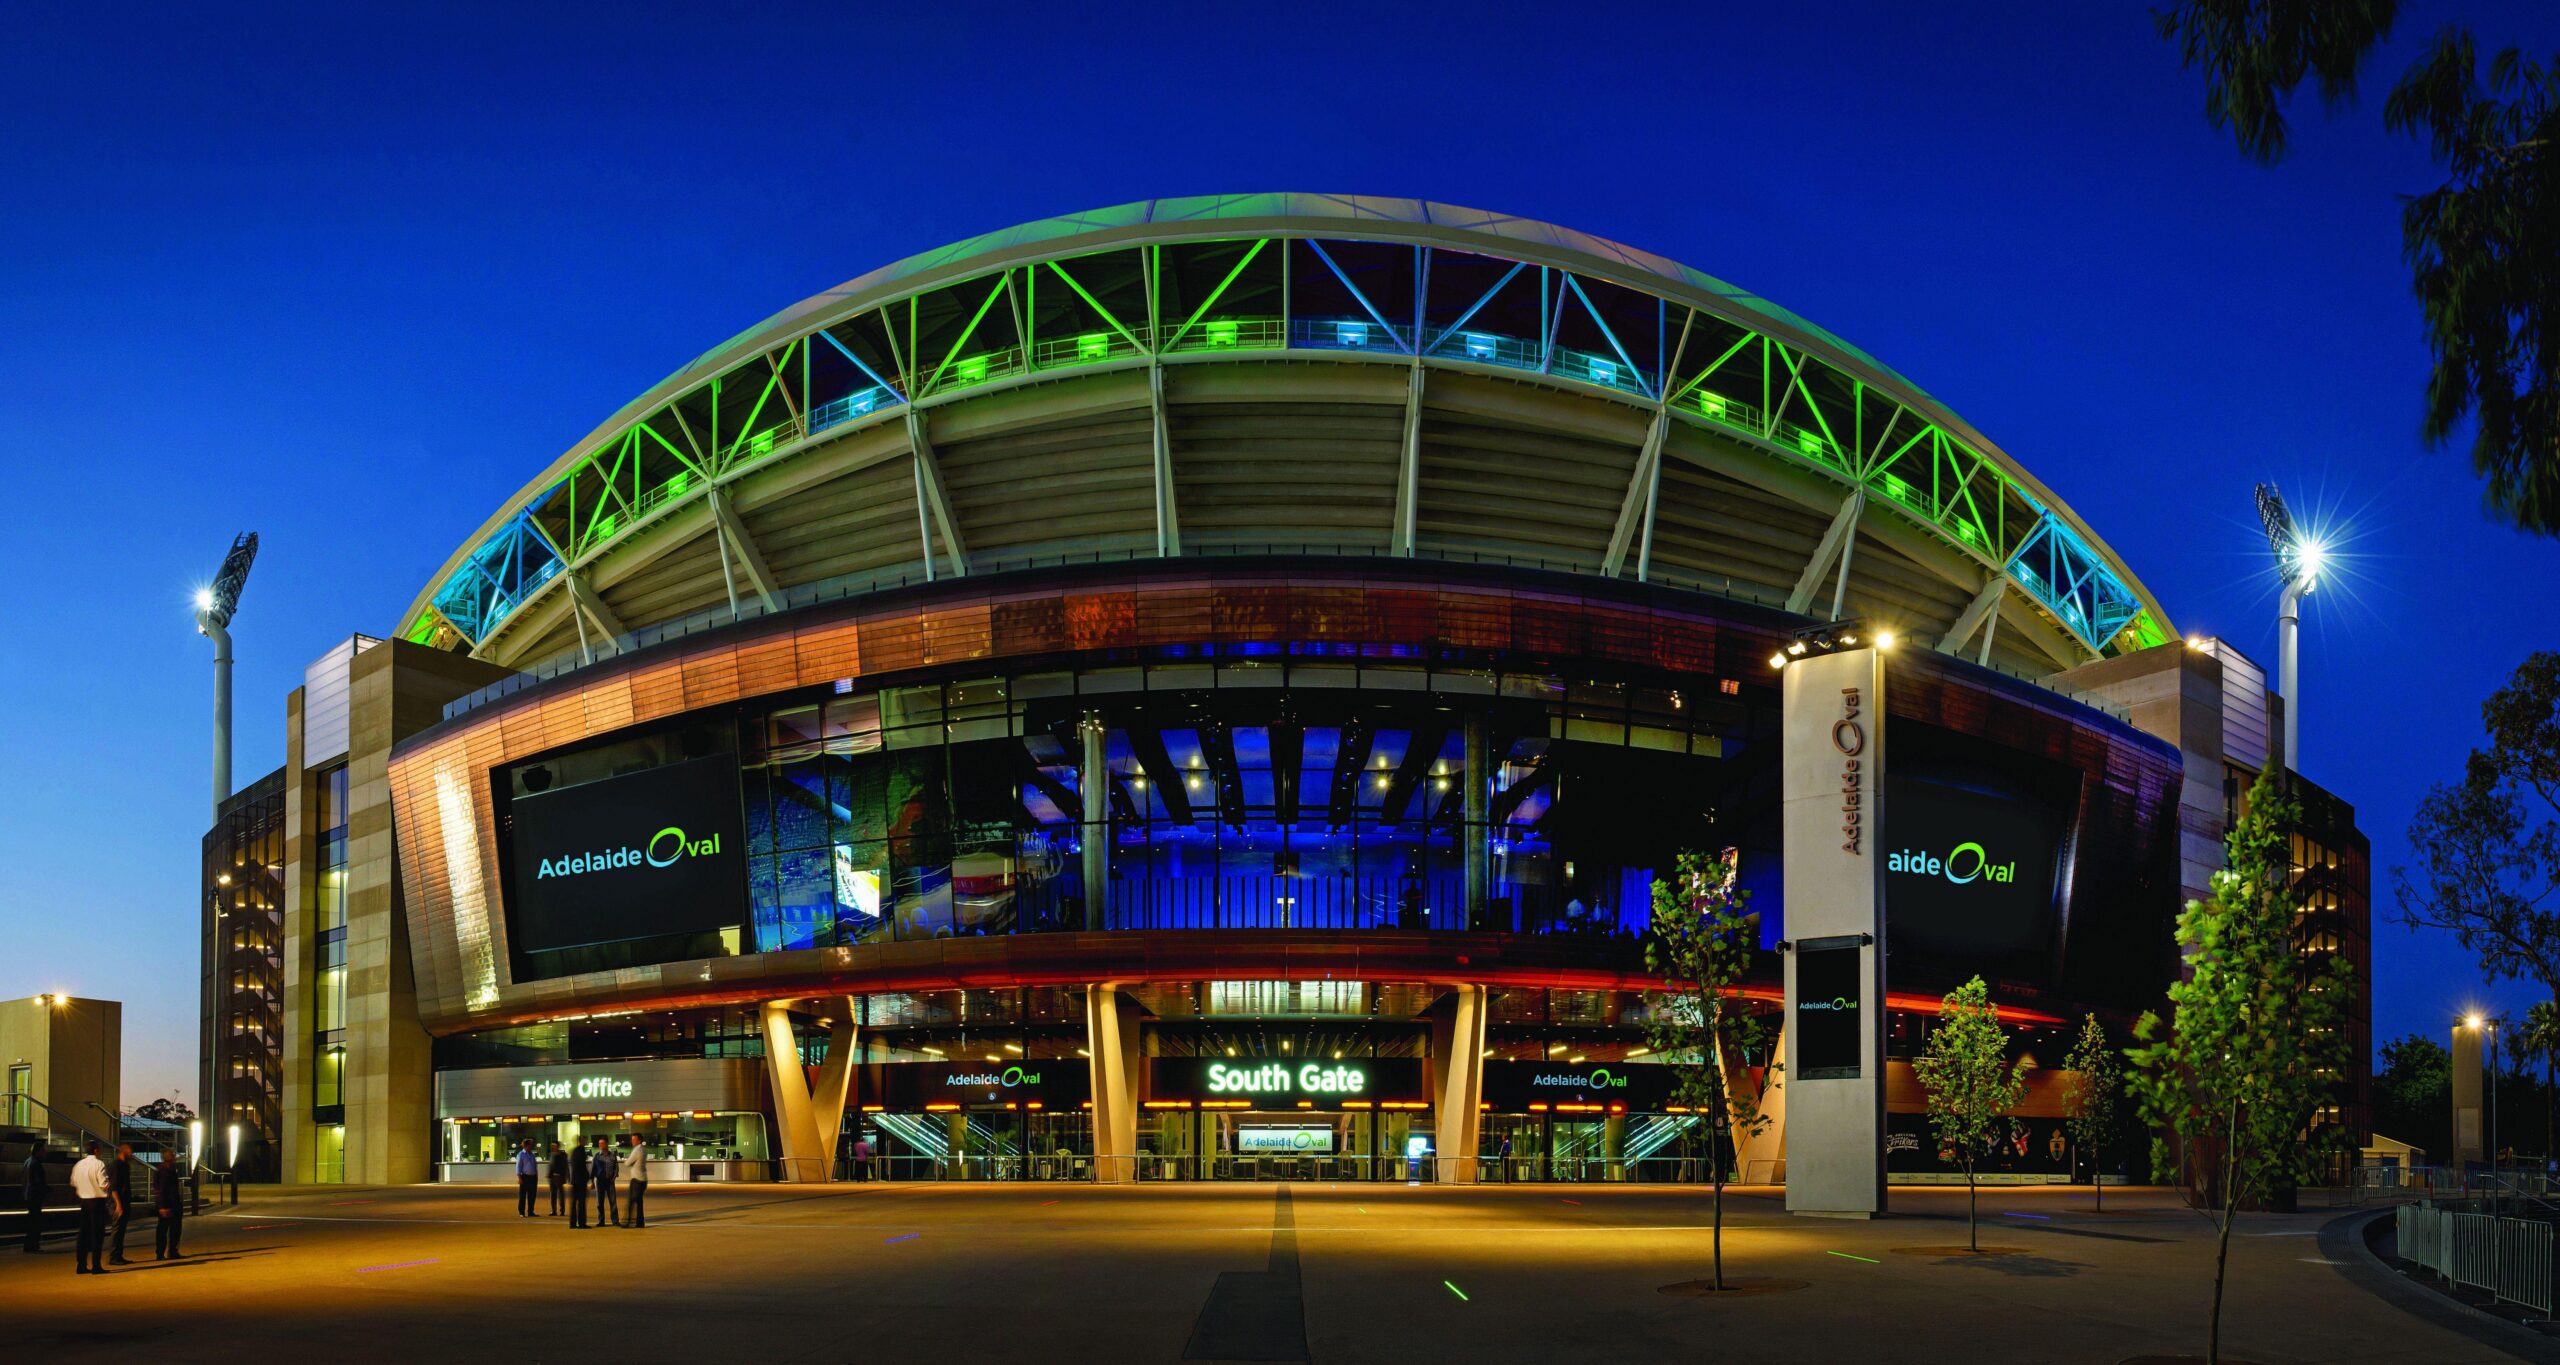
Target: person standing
[[608, 1212], [169, 1200], [32, 1193], [637, 1187], [1502, 1161], [528, 1171], [578, 1184], [121, 1172], [89, 1186], [559, 1176], [862, 1158]]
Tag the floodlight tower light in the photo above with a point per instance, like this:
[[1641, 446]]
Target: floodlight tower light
[[214, 606], [2298, 564]]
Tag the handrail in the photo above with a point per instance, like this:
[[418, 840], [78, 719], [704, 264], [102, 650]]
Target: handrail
[[85, 1130]]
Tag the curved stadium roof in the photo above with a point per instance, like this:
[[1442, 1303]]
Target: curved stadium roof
[[1286, 373]]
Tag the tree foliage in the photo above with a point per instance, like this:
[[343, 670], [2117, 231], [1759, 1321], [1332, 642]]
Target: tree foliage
[[2254, 52], [2488, 847], [1700, 945], [2093, 1092], [2484, 252], [1973, 1084], [165, 1111], [2483, 247], [2257, 1039]]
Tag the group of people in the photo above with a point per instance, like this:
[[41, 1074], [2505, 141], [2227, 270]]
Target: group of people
[[573, 1170], [105, 1191]]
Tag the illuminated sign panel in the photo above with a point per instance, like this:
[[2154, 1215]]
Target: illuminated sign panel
[[1306, 1140], [1048, 1083], [647, 854], [1829, 1039], [1640, 1087], [1969, 877], [1282, 1082]]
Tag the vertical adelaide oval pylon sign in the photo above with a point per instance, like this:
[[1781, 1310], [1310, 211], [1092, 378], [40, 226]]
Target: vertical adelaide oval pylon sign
[[1849, 736], [1831, 784]]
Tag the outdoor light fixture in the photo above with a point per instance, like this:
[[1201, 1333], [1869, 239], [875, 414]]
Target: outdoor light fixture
[[195, 1143], [1827, 637], [2299, 560], [214, 607], [235, 1147]]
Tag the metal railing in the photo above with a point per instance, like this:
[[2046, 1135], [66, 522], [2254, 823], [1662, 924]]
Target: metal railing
[[2509, 1258]]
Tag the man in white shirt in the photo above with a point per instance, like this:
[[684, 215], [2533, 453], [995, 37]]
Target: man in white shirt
[[635, 1187], [92, 1187]]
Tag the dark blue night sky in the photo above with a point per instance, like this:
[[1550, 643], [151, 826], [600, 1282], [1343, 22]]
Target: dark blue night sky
[[351, 280]]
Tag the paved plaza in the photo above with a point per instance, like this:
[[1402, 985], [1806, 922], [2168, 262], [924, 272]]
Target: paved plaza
[[1311, 1271]]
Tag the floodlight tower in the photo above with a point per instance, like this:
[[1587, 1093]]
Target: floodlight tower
[[2298, 560], [214, 606]]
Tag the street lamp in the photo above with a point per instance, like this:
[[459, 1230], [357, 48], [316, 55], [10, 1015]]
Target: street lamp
[[214, 606], [2299, 560]]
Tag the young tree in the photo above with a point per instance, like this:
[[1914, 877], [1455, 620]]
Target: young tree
[[2093, 1089], [1701, 945], [1972, 1083], [2489, 847], [2483, 247], [2258, 1030]]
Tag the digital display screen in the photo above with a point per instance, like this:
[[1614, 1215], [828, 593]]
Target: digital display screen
[[646, 854], [1281, 1082], [1969, 877], [1830, 1044]]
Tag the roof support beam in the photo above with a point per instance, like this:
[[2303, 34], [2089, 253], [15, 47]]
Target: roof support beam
[[1409, 468], [1827, 553], [1168, 518], [1985, 606], [1635, 510], [929, 492], [583, 594], [735, 540]]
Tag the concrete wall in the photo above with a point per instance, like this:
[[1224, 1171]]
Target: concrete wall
[[74, 1052]]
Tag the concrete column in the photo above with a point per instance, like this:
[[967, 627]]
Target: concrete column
[[833, 1092], [1457, 1052], [1613, 1147], [1111, 1041], [1479, 779], [803, 1158], [2470, 1131], [1831, 783], [1093, 782]]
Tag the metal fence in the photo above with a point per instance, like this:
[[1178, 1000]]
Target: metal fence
[[2508, 1257]]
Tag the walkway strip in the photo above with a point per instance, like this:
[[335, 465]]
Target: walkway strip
[[908, 1238], [1462, 1294], [1847, 1257]]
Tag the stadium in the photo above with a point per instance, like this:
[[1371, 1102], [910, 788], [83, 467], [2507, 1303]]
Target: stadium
[[1204, 690]]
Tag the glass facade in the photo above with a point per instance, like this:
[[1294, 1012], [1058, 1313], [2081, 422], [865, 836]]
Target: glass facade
[[1217, 794], [328, 1003]]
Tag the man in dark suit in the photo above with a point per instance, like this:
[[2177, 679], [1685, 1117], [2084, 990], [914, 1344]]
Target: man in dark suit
[[120, 1171], [578, 1185], [608, 1211], [32, 1193], [559, 1177]]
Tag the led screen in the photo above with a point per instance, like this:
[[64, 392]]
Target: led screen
[[642, 855], [1829, 1022], [1969, 877]]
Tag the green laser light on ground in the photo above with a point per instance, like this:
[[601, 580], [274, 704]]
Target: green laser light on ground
[[1847, 1257], [1462, 1294]]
